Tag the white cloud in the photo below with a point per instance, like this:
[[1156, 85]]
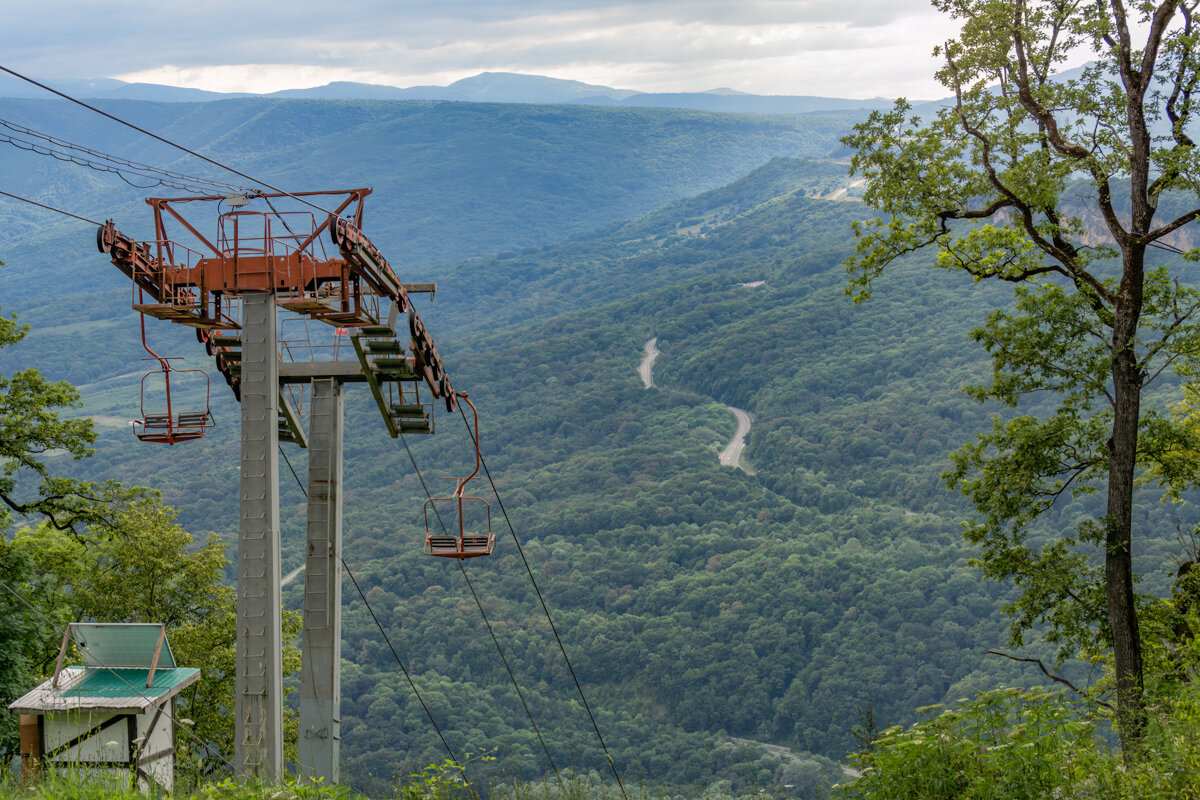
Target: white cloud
[[829, 47]]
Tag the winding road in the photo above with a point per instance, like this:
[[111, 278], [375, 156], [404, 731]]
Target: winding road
[[840, 194], [291, 575], [644, 369], [731, 456]]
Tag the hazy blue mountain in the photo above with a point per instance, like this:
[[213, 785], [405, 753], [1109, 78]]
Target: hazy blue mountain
[[511, 87], [158, 93], [351, 90], [90, 87], [752, 103], [451, 180], [487, 87]]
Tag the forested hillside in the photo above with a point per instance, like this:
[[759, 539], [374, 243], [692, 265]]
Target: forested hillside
[[450, 179], [774, 603]]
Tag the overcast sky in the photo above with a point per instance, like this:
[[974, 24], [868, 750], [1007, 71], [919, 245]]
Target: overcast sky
[[833, 48]]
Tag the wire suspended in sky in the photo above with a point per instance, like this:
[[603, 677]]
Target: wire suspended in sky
[[48, 208], [162, 139], [99, 161], [495, 641], [546, 610], [387, 640]]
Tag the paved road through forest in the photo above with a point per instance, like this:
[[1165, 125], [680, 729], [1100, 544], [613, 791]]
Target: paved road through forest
[[731, 456], [644, 369]]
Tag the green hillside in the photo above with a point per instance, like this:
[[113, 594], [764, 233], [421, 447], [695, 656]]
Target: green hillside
[[699, 603], [451, 179]]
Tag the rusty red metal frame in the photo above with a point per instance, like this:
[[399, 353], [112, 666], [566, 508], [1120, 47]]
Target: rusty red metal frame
[[463, 545], [194, 276], [288, 264]]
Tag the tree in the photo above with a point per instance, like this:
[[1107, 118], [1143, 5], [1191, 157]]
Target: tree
[[107, 553], [30, 428], [143, 567], [1005, 184]]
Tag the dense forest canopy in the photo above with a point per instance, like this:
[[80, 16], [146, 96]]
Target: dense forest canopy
[[706, 608]]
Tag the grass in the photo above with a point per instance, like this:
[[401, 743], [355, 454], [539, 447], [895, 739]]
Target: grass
[[434, 783]]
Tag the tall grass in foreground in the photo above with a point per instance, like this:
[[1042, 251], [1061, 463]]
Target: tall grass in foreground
[[436, 782]]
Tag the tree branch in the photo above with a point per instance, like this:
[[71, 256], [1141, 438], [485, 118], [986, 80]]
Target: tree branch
[[1064, 256], [1077, 152], [1051, 676], [1170, 227]]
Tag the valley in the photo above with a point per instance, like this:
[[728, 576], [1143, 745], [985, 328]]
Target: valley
[[584, 255]]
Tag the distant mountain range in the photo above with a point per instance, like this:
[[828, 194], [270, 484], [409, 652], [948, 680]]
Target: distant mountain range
[[487, 87]]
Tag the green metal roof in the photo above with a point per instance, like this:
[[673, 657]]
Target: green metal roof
[[129, 682], [121, 644]]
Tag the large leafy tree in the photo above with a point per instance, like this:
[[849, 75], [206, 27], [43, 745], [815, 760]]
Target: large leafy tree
[[1062, 184], [31, 428], [107, 553], [143, 567]]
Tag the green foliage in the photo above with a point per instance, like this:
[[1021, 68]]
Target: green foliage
[[52, 786], [18, 637], [1006, 743], [31, 426], [1051, 345], [146, 568], [1015, 182], [1014, 743], [446, 780]]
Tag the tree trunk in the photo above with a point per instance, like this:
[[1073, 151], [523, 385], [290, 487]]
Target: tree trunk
[[1122, 463]]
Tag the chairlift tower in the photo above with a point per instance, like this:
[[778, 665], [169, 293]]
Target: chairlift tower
[[253, 290]]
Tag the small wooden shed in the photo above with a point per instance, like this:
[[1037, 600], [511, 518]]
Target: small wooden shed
[[114, 716]]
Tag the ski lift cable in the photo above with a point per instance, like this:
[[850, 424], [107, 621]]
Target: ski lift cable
[[162, 139], [208, 747], [49, 208], [499, 650], [146, 170], [386, 638], [545, 608], [42, 150]]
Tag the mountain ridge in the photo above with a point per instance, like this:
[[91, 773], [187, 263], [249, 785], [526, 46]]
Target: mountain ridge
[[491, 87]]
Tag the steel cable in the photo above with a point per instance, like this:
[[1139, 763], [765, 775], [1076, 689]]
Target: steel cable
[[383, 633], [114, 163], [48, 208], [578, 686], [162, 139], [500, 651]]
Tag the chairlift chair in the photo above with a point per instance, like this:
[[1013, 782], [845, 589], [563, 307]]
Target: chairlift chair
[[168, 426], [445, 543]]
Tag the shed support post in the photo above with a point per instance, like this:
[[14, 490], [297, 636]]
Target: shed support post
[[31, 746], [258, 704], [320, 675]]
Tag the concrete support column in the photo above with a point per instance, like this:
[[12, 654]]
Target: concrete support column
[[320, 671], [258, 705]]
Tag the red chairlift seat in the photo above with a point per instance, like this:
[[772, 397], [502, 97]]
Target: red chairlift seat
[[169, 427], [463, 545]]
